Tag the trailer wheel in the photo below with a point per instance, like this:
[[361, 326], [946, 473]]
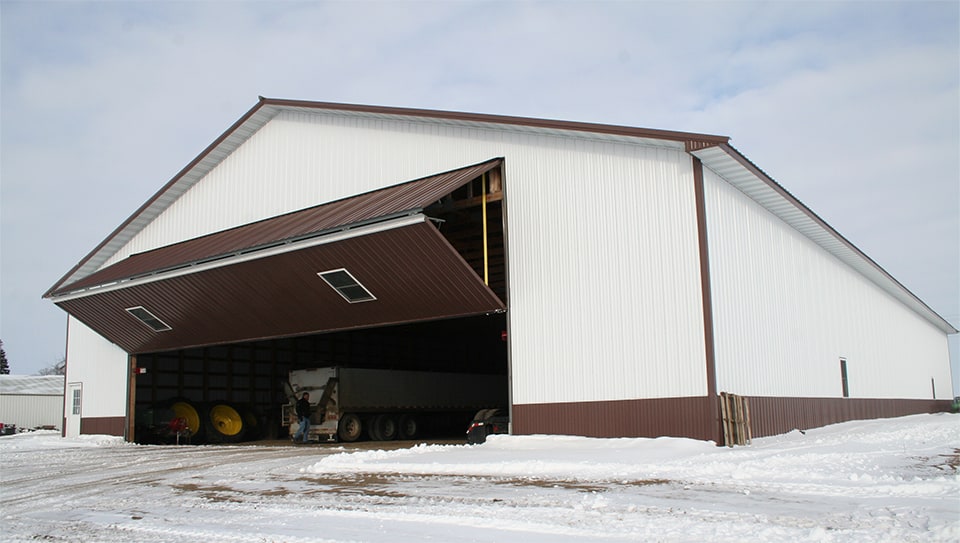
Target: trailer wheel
[[385, 428], [226, 423], [350, 428], [407, 427]]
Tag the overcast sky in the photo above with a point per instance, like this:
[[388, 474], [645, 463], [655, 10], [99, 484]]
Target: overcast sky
[[851, 106]]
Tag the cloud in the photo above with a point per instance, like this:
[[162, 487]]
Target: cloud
[[853, 107]]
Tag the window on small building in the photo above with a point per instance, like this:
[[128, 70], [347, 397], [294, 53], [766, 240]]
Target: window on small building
[[148, 318], [347, 285], [76, 401], [843, 378]]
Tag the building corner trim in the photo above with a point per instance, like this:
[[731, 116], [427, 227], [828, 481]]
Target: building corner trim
[[713, 414]]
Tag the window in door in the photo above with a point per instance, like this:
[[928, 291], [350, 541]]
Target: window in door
[[76, 401]]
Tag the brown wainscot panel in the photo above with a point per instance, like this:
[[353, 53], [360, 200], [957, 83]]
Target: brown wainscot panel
[[677, 417], [110, 426], [690, 417], [772, 416]]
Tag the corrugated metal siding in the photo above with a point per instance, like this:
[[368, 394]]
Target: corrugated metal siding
[[684, 417], [102, 368], [604, 274], [602, 234], [297, 161], [786, 311], [267, 108], [677, 417], [108, 426], [773, 416], [32, 411], [746, 177]]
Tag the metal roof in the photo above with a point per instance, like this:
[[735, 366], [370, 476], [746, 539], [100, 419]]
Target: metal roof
[[31, 385], [279, 233], [740, 172]]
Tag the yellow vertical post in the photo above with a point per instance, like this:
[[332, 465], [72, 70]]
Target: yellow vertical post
[[483, 205]]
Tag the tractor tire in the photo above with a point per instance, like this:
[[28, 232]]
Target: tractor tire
[[190, 412], [225, 423]]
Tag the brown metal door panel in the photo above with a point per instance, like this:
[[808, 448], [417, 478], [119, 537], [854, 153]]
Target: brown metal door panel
[[412, 271]]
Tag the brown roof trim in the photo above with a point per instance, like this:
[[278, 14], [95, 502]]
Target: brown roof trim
[[596, 128]]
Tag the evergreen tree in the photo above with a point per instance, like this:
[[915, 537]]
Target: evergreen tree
[[4, 365]]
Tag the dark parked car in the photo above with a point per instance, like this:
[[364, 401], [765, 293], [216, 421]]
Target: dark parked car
[[487, 422]]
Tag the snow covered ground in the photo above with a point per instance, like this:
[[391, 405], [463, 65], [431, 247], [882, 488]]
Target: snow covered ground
[[883, 480]]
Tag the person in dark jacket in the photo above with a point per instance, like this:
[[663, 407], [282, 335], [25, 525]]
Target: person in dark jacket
[[303, 415]]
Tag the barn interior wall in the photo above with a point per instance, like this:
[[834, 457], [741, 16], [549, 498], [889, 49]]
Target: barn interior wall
[[253, 373], [786, 312]]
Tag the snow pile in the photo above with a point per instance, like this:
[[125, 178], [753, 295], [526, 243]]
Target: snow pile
[[558, 457], [30, 441], [908, 456]]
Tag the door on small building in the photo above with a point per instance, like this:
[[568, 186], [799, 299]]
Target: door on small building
[[74, 404]]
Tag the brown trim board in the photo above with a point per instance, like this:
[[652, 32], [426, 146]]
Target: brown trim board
[[713, 414]]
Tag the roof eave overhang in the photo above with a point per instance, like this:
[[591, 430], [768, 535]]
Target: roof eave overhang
[[740, 172]]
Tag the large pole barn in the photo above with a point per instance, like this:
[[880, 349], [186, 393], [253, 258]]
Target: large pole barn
[[623, 281]]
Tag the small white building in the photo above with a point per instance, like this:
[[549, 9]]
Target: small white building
[[31, 401]]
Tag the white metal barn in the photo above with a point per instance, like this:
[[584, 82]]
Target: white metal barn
[[620, 278], [31, 401]]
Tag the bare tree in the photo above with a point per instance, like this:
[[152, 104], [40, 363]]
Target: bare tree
[[60, 368]]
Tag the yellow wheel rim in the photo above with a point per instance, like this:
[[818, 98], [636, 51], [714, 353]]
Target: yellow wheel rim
[[226, 419], [189, 414]]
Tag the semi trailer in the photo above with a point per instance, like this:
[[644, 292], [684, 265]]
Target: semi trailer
[[348, 404]]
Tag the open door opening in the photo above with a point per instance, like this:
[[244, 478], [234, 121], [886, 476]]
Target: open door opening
[[237, 391]]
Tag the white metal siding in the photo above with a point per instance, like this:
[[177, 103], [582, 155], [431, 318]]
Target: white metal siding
[[604, 276], [31, 411], [786, 311], [102, 368], [603, 246]]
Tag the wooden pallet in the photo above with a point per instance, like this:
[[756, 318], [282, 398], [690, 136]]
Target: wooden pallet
[[735, 414]]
